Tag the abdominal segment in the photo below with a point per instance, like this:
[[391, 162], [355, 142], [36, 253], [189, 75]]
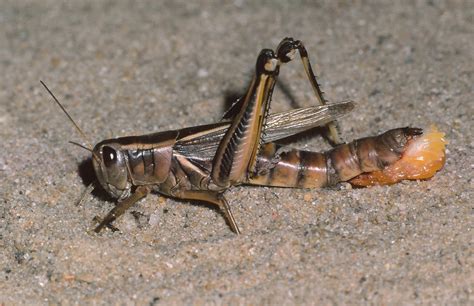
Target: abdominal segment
[[293, 168], [304, 169]]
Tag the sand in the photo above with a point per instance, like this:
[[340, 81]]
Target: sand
[[126, 68]]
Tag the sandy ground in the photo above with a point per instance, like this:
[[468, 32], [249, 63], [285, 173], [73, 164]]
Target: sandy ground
[[125, 68]]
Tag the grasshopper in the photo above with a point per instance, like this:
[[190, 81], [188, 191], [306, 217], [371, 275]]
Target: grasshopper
[[202, 162]]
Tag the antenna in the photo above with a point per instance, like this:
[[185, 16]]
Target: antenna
[[84, 137], [81, 146]]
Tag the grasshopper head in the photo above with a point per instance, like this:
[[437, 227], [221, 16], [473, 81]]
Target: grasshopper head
[[110, 167]]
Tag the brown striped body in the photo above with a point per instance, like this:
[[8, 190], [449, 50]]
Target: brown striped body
[[171, 172], [304, 169]]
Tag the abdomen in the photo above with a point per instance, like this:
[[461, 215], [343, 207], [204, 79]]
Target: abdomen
[[303, 169]]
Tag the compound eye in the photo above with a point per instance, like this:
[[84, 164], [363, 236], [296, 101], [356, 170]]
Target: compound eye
[[109, 155]]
